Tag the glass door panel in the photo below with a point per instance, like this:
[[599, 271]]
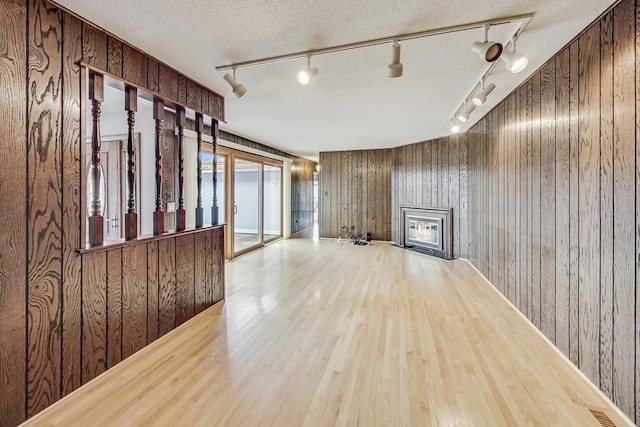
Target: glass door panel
[[272, 202], [247, 218]]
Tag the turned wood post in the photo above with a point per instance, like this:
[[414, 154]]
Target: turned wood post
[[214, 207], [199, 208], [131, 217], [181, 222], [158, 215], [96, 221]]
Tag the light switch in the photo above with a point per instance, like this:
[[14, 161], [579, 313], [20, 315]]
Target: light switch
[[171, 206]]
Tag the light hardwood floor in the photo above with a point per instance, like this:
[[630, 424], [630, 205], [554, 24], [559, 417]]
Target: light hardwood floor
[[321, 333]]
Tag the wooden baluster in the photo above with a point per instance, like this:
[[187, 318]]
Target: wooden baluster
[[199, 208], [96, 221], [131, 217], [181, 214], [214, 208], [158, 215]]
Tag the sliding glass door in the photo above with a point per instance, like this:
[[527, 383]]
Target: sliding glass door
[[247, 218], [272, 198]]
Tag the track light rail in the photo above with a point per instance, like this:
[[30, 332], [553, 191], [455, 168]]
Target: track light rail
[[374, 42]]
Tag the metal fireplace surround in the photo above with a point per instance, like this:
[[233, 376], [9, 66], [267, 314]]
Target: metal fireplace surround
[[427, 230]]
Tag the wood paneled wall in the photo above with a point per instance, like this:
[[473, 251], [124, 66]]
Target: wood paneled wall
[[355, 190], [132, 295], [301, 194], [65, 317], [553, 179], [433, 174]]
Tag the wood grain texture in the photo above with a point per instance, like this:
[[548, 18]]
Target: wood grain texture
[[548, 200], [94, 46], [624, 226], [94, 315], [589, 191], [44, 206], [168, 82], [167, 281], [344, 177], [153, 288], [115, 57], [185, 280], [114, 310], [182, 89], [218, 269], [574, 184], [194, 95], [71, 208], [606, 204], [153, 75], [301, 194], [134, 65], [208, 252], [200, 277], [134, 298], [563, 296], [169, 169], [13, 285]]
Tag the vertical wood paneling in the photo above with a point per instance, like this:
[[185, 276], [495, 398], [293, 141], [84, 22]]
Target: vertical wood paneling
[[134, 66], [168, 82], [348, 178], [44, 206], [547, 200], [182, 89], [194, 95], [463, 211], [207, 260], [94, 316], [588, 194], [134, 299], [167, 280], [218, 265], [114, 306], [153, 75], [153, 286], [71, 263], [562, 202], [574, 185], [454, 188], [536, 237], [510, 201], [13, 21], [606, 204], [185, 293], [114, 57], [94, 46], [169, 168], [624, 190]]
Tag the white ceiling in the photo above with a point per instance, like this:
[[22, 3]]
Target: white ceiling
[[351, 104]]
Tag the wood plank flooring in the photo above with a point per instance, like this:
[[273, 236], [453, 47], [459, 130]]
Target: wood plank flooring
[[318, 333]]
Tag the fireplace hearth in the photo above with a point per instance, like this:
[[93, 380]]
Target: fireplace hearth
[[427, 230]]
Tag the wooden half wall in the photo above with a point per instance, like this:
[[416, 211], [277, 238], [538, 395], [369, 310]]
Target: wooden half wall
[[66, 316]]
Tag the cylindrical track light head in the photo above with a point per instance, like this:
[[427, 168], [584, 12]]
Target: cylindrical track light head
[[455, 127], [481, 97], [395, 68], [463, 116], [305, 76], [238, 89], [488, 51], [515, 62]]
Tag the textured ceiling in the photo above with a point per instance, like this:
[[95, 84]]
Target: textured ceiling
[[351, 104]]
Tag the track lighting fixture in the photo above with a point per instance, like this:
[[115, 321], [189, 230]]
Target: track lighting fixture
[[455, 127], [515, 62], [463, 115], [481, 97], [238, 89], [305, 76], [395, 68], [487, 50]]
